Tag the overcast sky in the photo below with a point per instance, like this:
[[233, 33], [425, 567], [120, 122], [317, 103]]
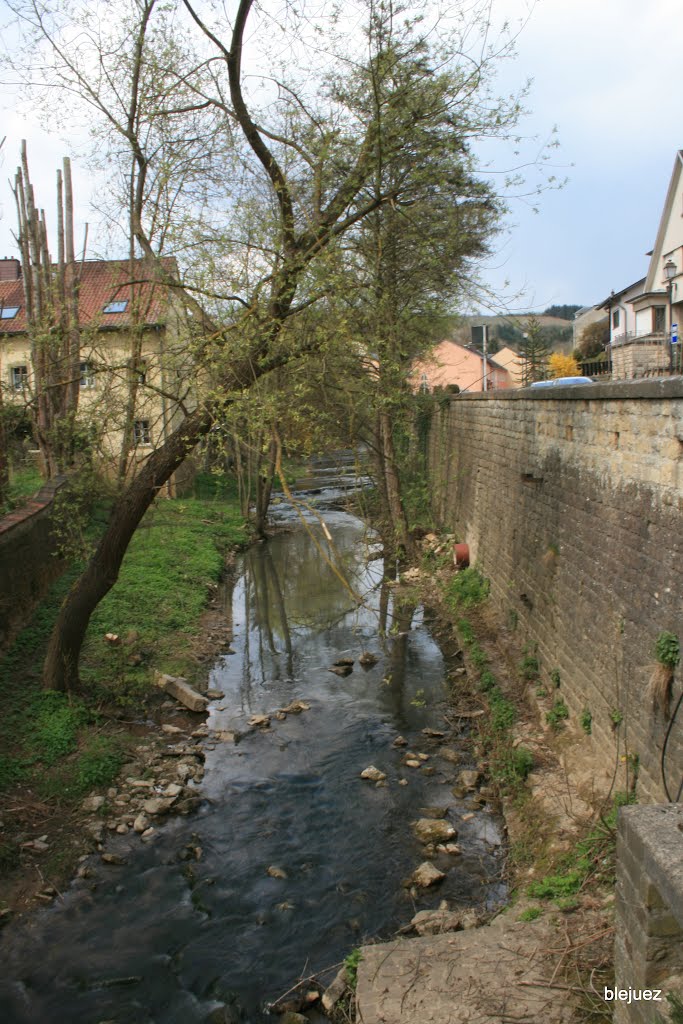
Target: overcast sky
[[606, 73]]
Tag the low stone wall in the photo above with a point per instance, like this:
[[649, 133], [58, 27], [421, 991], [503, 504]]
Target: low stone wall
[[649, 933], [571, 502], [638, 358], [27, 560]]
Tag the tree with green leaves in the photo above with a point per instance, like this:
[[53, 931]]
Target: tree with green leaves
[[593, 339], [262, 175]]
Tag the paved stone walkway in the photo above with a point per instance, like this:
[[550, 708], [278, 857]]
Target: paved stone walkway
[[492, 975]]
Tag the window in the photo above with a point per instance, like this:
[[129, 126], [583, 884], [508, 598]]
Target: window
[[615, 318], [141, 372], [141, 432], [659, 319], [18, 377], [424, 383], [8, 312], [87, 375], [119, 306]]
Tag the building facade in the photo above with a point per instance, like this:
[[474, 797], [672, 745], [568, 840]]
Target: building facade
[[135, 373]]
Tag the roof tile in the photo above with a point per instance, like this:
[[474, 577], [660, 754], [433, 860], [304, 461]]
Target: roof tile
[[101, 282]]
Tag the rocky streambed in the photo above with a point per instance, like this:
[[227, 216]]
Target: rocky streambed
[[287, 851]]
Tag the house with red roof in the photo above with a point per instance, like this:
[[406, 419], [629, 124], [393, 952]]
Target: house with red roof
[[133, 331]]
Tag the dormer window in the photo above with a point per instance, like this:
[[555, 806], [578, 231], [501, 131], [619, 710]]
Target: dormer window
[[8, 312], [119, 306]]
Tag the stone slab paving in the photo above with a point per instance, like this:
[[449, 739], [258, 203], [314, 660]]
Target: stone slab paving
[[492, 975]]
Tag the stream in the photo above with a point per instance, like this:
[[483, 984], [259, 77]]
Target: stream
[[165, 940]]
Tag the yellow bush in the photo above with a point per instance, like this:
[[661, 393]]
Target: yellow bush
[[563, 366]]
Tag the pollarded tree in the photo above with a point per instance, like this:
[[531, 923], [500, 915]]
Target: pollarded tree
[[52, 318], [307, 160]]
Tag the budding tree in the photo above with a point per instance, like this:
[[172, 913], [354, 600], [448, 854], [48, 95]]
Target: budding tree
[[260, 160]]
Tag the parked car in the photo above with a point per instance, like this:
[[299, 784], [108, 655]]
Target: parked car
[[561, 382]]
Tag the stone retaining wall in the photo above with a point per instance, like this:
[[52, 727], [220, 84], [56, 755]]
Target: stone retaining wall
[[649, 933], [27, 560], [571, 502]]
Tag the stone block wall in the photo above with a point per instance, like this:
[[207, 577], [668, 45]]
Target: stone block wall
[[649, 913], [27, 560], [571, 501], [640, 358]]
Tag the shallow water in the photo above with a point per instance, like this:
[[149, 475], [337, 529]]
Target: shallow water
[[165, 940]]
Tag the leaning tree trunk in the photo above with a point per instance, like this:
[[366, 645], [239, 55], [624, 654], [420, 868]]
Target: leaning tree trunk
[[61, 664]]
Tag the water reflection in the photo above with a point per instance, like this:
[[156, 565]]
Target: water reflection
[[186, 936]]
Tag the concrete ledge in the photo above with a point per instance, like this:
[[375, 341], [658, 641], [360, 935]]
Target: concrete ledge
[[654, 835], [40, 500], [657, 388]]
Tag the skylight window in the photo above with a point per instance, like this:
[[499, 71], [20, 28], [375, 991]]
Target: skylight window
[[8, 312], [119, 306]]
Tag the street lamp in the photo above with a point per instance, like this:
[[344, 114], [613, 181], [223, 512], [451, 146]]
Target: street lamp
[[670, 271]]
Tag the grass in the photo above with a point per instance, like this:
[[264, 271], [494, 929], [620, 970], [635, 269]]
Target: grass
[[176, 555], [54, 741], [24, 483], [593, 860]]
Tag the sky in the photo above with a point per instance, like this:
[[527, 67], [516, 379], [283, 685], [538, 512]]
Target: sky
[[605, 74]]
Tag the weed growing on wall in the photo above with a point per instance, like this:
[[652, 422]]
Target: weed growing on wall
[[668, 655], [529, 667], [668, 649], [557, 714]]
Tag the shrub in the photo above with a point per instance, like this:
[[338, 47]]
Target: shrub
[[586, 721], [466, 589]]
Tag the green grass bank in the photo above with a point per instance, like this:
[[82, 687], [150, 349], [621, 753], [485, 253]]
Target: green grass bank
[[55, 748]]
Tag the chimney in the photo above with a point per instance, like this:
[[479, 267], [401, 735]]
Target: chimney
[[10, 269]]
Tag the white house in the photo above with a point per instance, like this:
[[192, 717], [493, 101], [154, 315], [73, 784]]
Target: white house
[[642, 315]]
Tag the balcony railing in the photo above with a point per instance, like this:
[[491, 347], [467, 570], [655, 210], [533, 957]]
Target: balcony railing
[[640, 338]]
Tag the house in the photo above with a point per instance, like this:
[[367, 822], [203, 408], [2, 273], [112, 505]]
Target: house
[[511, 361], [134, 349], [644, 317], [452, 365]]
